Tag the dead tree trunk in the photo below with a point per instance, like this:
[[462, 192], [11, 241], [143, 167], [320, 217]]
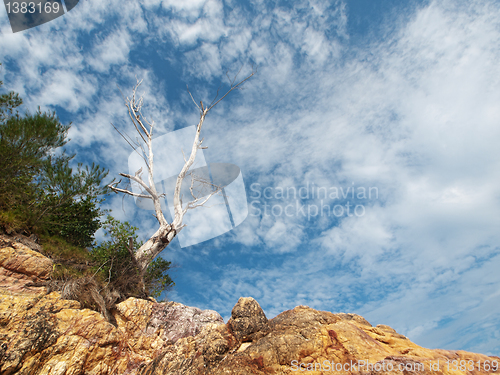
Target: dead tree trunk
[[166, 231]]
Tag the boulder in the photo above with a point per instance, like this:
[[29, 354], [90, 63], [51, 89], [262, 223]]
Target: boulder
[[304, 340], [178, 320], [21, 267], [43, 334], [21, 259], [248, 321]]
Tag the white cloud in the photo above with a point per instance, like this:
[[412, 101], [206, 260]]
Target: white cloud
[[191, 8], [415, 115], [67, 89], [193, 21], [417, 120], [113, 49], [204, 61]]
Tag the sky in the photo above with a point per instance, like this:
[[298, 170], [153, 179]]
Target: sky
[[385, 115]]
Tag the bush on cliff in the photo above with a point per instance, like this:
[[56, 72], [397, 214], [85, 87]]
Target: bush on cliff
[[116, 265], [39, 192]]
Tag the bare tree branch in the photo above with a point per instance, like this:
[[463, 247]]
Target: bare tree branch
[[233, 86], [194, 101], [167, 231], [118, 190]]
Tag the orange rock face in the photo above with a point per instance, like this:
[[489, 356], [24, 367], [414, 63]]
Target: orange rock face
[[304, 340], [21, 266], [44, 334]]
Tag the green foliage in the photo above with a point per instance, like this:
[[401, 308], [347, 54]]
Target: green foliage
[[76, 221], [70, 200], [31, 138], [12, 220], [21, 155], [156, 279], [58, 178], [42, 193], [8, 102], [117, 267], [113, 255], [62, 251], [25, 144]]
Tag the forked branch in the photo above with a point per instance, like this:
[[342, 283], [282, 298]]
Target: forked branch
[[167, 231]]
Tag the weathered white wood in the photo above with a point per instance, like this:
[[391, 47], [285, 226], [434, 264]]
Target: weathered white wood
[[166, 231]]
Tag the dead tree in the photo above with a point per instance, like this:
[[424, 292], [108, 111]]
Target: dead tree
[[166, 232]]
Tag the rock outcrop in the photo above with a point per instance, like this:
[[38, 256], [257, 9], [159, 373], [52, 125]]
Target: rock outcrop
[[20, 266], [42, 333], [248, 321]]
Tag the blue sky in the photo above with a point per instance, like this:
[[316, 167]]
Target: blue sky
[[353, 94]]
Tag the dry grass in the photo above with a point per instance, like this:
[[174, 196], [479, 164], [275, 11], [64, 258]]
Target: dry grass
[[74, 278]]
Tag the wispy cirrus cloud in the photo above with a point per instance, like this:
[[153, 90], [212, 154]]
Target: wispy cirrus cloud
[[413, 114]]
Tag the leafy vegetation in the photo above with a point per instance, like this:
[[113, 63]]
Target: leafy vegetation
[[41, 194], [116, 264], [8, 102], [41, 190]]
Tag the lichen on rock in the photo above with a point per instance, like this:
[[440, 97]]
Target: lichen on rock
[[248, 321], [42, 334]]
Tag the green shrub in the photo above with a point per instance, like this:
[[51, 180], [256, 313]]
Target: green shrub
[[61, 250], [40, 190], [75, 221], [116, 266]]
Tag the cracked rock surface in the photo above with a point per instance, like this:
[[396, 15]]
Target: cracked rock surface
[[43, 334]]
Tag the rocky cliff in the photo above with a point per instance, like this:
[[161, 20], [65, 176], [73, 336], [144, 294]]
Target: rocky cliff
[[41, 333]]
